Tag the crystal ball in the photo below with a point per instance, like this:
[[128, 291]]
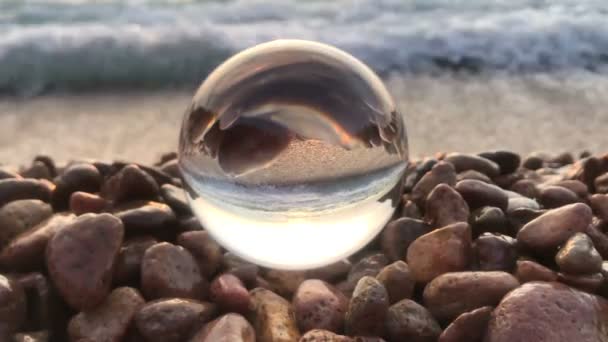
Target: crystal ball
[[292, 154]]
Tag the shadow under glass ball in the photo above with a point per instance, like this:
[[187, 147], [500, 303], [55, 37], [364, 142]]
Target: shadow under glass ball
[[292, 152]]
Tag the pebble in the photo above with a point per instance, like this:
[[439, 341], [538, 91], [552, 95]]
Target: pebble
[[533, 162], [37, 170], [599, 238], [48, 162], [44, 309], [464, 162], [284, 282], [397, 280], [26, 251], [472, 174], [578, 256], [520, 217], [18, 216], [495, 252], [141, 217], [6, 174], [109, 321], [526, 188], [555, 227], [370, 265], [443, 250], [230, 294], [397, 236], [318, 305], [556, 196], [410, 209], [579, 188], [567, 315], [130, 183], [479, 194], [78, 177], [586, 170], [601, 183], [319, 335], [13, 306], [442, 172], [172, 319], [585, 282], [516, 203], [176, 198], [206, 252], [38, 336], [84, 202], [367, 308], [242, 269], [80, 258], [409, 321], [445, 206], [599, 203], [170, 271], [488, 219], [453, 294], [272, 317], [128, 263], [528, 270], [331, 273], [230, 327], [468, 327], [13, 189], [507, 161], [562, 159]]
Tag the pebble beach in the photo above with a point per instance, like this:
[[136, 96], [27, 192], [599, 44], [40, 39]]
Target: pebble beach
[[483, 248]]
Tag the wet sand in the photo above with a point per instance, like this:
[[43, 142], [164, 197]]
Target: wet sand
[[555, 113]]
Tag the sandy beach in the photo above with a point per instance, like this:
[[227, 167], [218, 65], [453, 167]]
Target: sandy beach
[[470, 114]]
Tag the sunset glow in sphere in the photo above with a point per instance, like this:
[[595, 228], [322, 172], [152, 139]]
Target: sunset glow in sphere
[[293, 153]]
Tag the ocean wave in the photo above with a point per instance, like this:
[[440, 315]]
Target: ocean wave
[[81, 45]]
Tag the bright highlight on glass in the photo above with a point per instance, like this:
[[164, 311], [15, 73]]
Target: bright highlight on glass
[[292, 152]]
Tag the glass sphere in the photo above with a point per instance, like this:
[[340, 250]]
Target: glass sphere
[[292, 153]]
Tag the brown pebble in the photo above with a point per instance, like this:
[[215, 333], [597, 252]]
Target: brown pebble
[[586, 170], [37, 170], [18, 216], [526, 188], [332, 272], [533, 162], [463, 162], [176, 198], [128, 263], [109, 321], [578, 256], [5, 173], [495, 252], [442, 172], [601, 183], [228, 328], [443, 250], [318, 305], [567, 315], [556, 196], [472, 174], [367, 308], [410, 209], [78, 177], [38, 336], [468, 327], [528, 270], [26, 251], [397, 236], [412, 322], [599, 203], [284, 282], [507, 161], [488, 219], [478, 194], [370, 265], [585, 282], [576, 186], [555, 227], [445, 206], [206, 252], [241, 268], [398, 281], [600, 240], [319, 335], [45, 310], [145, 217], [172, 319], [520, 217], [13, 306], [80, 258], [84, 202], [453, 294], [272, 317], [13, 189], [130, 183], [230, 294]]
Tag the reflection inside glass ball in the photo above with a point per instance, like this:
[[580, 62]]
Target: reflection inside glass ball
[[292, 153]]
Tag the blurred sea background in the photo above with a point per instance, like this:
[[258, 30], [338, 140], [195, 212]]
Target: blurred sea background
[[111, 79]]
